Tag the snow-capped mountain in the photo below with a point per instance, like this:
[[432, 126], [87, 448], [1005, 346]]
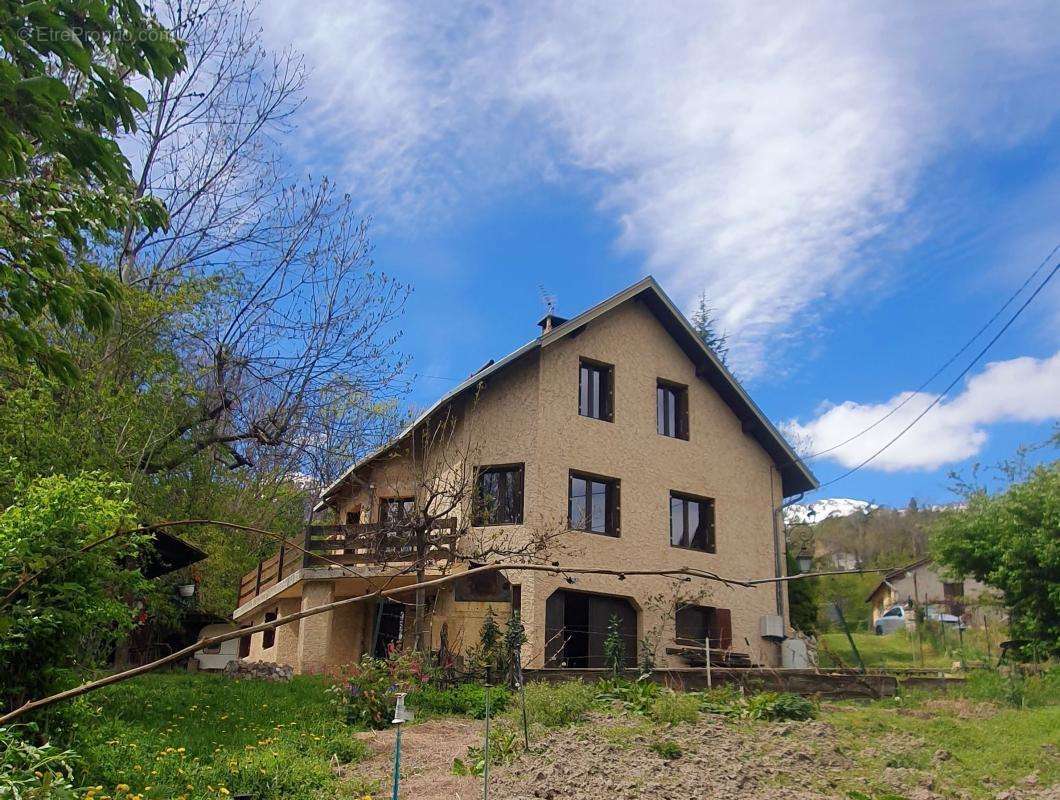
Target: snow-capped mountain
[[825, 508]]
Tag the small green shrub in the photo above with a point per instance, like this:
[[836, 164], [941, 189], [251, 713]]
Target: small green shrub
[[556, 704], [779, 706], [31, 771], [719, 700], [467, 699], [614, 645], [667, 749], [505, 744], [773, 706], [635, 697], [671, 708]]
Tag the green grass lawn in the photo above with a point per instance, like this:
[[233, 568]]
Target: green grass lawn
[[902, 650], [205, 736], [987, 743]]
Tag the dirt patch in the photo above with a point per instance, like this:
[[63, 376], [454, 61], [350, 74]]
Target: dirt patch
[[717, 759], [962, 708], [427, 753], [614, 758]]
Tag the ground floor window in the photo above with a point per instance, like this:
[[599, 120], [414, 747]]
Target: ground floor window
[[268, 638], [576, 627]]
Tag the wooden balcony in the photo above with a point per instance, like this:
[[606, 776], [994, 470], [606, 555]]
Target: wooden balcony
[[375, 544]]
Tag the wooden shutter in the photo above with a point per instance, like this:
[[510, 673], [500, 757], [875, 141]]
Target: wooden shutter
[[519, 478], [721, 635], [681, 399], [616, 506], [708, 508], [609, 394]]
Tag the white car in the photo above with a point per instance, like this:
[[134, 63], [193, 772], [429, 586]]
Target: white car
[[892, 620], [895, 618]]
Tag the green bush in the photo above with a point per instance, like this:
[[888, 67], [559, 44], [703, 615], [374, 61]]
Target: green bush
[[556, 704], [671, 708], [78, 610], [635, 697], [779, 706], [467, 699], [31, 771]]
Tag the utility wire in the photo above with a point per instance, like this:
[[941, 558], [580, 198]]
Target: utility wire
[[952, 383], [940, 370]]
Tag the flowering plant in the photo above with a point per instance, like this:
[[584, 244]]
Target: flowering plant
[[366, 689]]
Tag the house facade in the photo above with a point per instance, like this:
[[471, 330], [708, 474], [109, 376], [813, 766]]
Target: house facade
[[623, 437], [923, 584]]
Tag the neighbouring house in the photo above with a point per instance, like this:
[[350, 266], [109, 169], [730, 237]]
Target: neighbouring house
[[923, 584], [619, 434]]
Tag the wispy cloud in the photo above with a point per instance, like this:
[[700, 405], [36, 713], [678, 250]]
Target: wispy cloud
[[750, 149], [1019, 390]]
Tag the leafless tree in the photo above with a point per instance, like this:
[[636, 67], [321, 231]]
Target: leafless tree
[[442, 522], [292, 347]]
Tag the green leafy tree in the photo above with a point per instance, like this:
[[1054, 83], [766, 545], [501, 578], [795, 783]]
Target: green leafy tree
[[132, 392], [66, 68], [802, 600], [706, 326], [1011, 541], [82, 603]]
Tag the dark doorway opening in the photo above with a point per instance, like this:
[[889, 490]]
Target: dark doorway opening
[[576, 627], [390, 624]]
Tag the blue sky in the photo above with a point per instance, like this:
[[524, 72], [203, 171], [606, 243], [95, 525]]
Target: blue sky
[[857, 192]]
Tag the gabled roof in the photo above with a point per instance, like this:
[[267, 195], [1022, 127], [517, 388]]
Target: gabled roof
[[897, 573], [795, 475]]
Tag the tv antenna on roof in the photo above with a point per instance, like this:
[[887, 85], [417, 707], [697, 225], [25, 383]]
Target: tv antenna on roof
[[549, 300]]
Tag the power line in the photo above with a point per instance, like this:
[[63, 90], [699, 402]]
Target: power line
[[952, 383], [941, 369]]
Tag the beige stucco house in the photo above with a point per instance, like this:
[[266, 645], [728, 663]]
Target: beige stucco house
[[624, 438]]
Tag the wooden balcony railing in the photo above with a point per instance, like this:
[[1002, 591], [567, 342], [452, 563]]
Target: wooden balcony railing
[[376, 544]]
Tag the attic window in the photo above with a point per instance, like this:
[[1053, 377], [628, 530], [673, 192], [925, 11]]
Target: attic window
[[672, 409], [596, 390]]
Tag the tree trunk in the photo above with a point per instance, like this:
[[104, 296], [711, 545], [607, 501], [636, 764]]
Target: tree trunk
[[421, 594]]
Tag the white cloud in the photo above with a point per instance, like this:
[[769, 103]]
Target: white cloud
[[751, 149], [1020, 390]]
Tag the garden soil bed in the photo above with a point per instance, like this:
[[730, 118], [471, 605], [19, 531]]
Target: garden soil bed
[[427, 753], [611, 757]]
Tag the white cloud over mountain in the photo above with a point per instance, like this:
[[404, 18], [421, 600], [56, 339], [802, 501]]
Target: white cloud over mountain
[[1018, 390], [752, 149]]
